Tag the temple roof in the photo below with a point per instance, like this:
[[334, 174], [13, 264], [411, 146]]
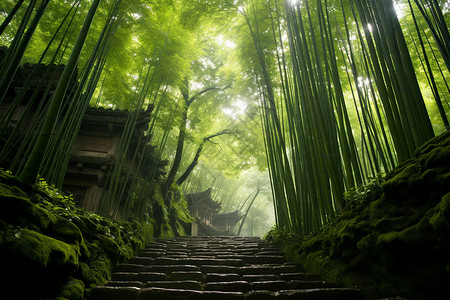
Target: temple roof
[[234, 215], [100, 115], [203, 199]]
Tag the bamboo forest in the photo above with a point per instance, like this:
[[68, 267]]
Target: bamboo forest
[[225, 149]]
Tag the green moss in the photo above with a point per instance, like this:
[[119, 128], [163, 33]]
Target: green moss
[[440, 220], [66, 231], [442, 140], [436, 157], [292, 253], [420, 233], [21, 211], [110, 247], [366, 243], [35, 249], [73, 290], [396, 186], [8, 190], [100, 270], [444, 206], [396, 223], [388, 237], [61, 250]]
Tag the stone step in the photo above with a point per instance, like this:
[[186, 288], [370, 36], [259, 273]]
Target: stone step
[[285, 269], [115, 293], [157, 293], [300, 276], [325, 293], [134, 268], [264, 259], [127, 283], [141, 260], [221, 277], [272, 285], [257, 270], [180, 284], [172, 268], [220, 269], [197, 261], [260, 277], [142, 276], [186, 275], [210, 253], [229, 286], [216, 268]]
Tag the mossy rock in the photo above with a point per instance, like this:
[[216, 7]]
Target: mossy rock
[[22, 212], [399, 187], [110, 247], [440, 221], [436, 151], [100, 270], [386, 224], [72, 290], [68, 232], [60, 250], [84, 272], [88, 227], [367, 243], [40, 261], [10, 179]]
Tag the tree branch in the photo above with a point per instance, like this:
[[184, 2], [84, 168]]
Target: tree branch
[[193, 98], [197, 154]]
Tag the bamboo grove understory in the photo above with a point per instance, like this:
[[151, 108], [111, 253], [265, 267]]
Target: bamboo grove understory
[[346, 90]]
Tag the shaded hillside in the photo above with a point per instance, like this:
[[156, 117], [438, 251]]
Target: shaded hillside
[[394, 238]]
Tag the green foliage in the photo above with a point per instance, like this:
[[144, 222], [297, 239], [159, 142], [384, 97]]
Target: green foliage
[[49, 191], [363, 194]]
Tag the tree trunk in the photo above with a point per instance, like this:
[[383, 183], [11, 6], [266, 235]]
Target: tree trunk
[[246, 212], [178, 155], [182, 135]]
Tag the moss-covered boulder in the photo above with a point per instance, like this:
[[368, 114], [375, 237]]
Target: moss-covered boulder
[[395, 242], [35, 263], [73, 289], [49, 249], [16, 208]]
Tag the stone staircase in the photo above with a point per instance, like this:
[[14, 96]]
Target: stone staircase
[[216, 268]]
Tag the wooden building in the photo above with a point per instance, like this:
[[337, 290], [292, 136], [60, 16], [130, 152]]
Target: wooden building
[[225, 222], [98, 140], [95, 150], [207, 219]]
